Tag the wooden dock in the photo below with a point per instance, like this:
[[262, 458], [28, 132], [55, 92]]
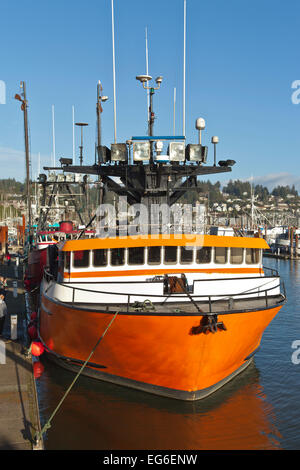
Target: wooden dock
[[282, 256], [19, 413]]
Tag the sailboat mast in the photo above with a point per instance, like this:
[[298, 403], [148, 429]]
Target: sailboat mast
[[27, 157], [98, 112], [53, 137]]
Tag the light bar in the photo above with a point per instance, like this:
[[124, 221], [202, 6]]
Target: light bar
[[176, 151], [196, 153], [141, 151], [119, 153]]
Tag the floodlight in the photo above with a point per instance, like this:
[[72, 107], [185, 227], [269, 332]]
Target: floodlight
[[104, 98], [78, 178], [177, 151], [159, 80], [42, 178], [196, 153], [52, 177], [104, 154], [70, 178], [141, 151], [119, 153]]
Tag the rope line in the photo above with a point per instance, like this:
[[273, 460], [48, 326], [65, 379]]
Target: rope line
[[39, 435]]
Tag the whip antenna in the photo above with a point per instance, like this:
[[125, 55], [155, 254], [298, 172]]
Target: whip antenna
[[114, 68]]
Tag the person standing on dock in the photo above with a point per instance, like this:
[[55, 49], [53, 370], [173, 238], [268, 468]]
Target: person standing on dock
[[3, 283], [3, 311]]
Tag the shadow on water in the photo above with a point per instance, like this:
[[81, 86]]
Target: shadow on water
[[101, 416]]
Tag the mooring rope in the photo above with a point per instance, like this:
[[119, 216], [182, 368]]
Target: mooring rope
[[38, 434]]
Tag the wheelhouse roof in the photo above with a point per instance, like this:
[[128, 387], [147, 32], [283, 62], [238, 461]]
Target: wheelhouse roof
[[163, 240]]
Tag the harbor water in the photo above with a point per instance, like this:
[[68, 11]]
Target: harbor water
[[257, 410]]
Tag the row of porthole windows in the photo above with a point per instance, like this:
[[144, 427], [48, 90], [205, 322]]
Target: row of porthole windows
[[156, 255]]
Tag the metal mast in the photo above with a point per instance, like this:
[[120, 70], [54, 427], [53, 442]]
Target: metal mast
[[24, 107], [100, 158]]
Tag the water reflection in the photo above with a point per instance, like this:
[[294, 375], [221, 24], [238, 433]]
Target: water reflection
[[97, 415]]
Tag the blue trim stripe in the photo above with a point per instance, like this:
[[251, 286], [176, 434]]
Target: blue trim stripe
[[163, 137]]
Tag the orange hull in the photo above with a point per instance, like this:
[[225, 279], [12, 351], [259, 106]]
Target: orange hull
[[154, 353]]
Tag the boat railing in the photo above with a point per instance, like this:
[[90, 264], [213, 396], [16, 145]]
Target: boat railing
[[265, 294], [273, 271]]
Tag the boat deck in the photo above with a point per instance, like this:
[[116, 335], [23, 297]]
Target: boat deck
[[224, 306]]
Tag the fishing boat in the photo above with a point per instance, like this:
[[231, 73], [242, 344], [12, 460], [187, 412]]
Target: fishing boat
[[191, 313], [37, 258], [152, 301], [179, 312]]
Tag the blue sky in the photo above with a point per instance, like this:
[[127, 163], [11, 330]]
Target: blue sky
[[242, 58]]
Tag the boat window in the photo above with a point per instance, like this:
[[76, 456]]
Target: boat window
[[170, 254], [61, 261], [43, 238], [236, 255], [67, 260], [186, 254], [100, 257], [203, 255], [117, 256], [221, 255], [136, 255], [252, 255], [154, 255], [81, 259]]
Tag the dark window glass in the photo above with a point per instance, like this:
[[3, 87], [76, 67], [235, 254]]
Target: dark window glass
[[81, 259], [171, 254], [117, 256], [221, 255], [154, 255], [136, 255], [61, 257], [236, 255], [252, 255], [186, 255], [203, 255], [67, 260], [100, 257]]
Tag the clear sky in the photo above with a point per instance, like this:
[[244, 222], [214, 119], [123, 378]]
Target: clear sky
[[242, 58]]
